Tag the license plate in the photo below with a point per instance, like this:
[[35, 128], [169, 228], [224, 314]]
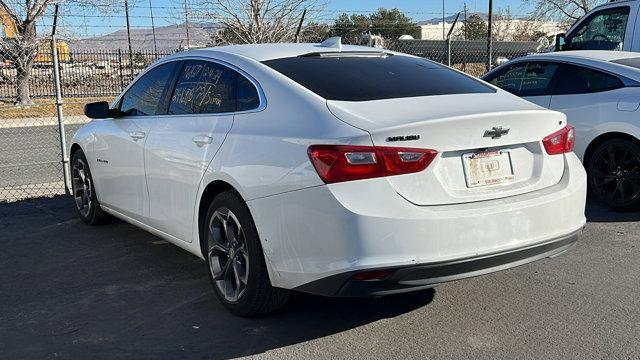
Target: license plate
[[488, 168]]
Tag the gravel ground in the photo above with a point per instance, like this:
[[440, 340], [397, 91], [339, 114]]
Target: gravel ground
[[71, 291]]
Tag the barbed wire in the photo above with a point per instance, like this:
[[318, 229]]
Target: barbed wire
[[80, 23]]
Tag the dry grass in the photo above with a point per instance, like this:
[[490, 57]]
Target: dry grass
[[473, 69], [46, 108]]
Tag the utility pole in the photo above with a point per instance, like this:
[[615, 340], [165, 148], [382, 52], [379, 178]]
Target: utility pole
[[153, 29], [126, 13], [443, 23], [489, 36], [465, 21], [186, 21]]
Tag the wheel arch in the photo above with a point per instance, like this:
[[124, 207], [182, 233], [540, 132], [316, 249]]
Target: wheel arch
[[212, 190], [601, 139], [74, 148]]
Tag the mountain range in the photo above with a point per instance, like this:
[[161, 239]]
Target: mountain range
[[173, 37], [167, 38]]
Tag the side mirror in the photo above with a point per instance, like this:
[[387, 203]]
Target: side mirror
[[560, 41], [98, 110]]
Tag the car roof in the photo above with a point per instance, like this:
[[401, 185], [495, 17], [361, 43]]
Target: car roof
[[263, 52], [598, 59], [612, 2], [602, 55]]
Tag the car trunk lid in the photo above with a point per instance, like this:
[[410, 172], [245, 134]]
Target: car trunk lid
[[478, 159]]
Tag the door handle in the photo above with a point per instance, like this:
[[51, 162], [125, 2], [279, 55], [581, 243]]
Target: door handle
[[137, 135], [202, 140]]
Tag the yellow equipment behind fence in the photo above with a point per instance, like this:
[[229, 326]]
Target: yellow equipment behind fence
[[44, 55]]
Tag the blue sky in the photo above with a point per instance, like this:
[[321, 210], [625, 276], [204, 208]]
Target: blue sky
[[83, 23], [427, 6]]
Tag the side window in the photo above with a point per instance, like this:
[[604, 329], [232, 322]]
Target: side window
[[527, 79], [143, 97], [579, 80], [204, 87], [511, 78], [248, 98], [603, 30]]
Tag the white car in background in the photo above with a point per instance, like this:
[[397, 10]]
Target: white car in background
[[599, 91], [340, 171]]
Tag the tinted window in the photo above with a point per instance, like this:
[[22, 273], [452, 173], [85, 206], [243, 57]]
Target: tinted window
[[204, 87], [578, 80], [248, 98], [604, 30], [633, 62], [526, 79], [143, 96], [360, 78]]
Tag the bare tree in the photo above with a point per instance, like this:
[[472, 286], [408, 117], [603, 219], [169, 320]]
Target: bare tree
[[21, 42], [503, 25], [259, 21], [563, 10]]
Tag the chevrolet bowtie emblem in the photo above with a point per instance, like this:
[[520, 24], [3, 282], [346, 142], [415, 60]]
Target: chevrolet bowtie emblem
[[496, 132]]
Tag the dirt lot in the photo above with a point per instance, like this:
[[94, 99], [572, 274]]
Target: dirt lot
[[46, 108]]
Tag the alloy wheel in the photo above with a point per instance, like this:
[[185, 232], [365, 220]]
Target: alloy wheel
[[227, 254], [615, 174], [81, 187]]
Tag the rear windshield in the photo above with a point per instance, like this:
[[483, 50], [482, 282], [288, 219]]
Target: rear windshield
[[360, 78], [633, 62]]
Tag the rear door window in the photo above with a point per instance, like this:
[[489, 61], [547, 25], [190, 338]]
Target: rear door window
[[575, 79], [204, 87], [526, 78], [370, 76], [633, 62]]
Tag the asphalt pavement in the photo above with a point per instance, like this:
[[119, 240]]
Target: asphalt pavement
[[72, 291], [31, 154]]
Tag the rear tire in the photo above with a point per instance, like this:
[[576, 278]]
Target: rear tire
[[614, 174], [84, 193], [235, 260]]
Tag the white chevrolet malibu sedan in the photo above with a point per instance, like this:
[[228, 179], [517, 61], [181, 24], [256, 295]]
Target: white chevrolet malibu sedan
[[334, 170]]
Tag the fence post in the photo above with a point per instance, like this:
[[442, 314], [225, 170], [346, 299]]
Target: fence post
[[489, 37], [453, 26], [58, 88], [448, 51], [120, 69]]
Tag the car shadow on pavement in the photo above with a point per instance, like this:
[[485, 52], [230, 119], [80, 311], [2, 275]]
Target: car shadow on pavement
[[597, 212], [70, 290]]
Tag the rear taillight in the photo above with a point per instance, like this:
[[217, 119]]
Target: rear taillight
[[337, 163], [561, 141]]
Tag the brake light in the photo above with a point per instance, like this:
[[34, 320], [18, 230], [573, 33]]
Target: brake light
[[561, 141], [337, 163]]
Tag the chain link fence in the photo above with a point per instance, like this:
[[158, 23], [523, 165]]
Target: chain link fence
[[31, 160], [470, 56], [31, 163]]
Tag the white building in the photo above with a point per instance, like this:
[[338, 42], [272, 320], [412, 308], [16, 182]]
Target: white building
[[503, 30]]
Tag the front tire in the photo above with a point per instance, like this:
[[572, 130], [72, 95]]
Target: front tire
[[84, 193], [235, 260], [614, 174]]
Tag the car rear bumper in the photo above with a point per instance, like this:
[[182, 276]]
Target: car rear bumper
[[423, 276], [331, 230]]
